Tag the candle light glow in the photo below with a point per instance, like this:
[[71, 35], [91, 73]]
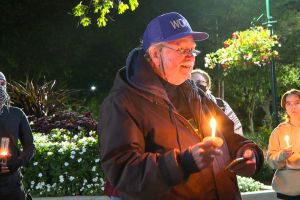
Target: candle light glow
[[287, 139], [3, 153]]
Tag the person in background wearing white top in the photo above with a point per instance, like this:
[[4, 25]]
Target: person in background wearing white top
[[284, 149], [203, 81]]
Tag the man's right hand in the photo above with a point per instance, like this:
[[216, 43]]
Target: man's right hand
[[204, 153]]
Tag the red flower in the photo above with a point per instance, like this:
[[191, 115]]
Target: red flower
[[226, 44]]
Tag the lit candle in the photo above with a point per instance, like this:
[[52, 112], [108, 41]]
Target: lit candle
[[4, 150], [213, 125], [287, 139], [216, 141]]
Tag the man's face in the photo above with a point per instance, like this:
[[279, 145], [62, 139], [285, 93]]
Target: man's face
[[177, 60]]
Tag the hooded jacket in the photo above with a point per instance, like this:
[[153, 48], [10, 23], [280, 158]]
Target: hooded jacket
[[145, 143]]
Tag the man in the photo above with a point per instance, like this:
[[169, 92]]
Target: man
[[153, 122], [203, 81], [14, 126]]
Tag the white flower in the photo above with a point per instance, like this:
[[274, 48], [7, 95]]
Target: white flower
[[40, 174], [35, 163], [94, 168], [73, 152], [61, 178], [32, 182], [75, 137], [79, 160], [97, 160], [72, 156], [95, 179], [66, 164], [49, 153], [71, 178]]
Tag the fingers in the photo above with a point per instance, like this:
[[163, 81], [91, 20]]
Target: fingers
[[204, 153], [4, 169]]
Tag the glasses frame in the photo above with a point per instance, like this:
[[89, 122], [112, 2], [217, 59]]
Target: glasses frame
[[193, 52]]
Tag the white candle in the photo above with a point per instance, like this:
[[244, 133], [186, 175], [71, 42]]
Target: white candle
[[287, 139], [213, 125]]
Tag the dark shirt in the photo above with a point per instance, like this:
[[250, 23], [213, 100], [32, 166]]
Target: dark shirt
[[15, 126]]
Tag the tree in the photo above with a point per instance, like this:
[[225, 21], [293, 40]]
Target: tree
[[102, 9]]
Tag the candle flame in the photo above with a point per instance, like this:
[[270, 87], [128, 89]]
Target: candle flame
[[213, 125], [287, 139]]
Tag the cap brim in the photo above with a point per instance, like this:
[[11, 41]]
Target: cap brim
[[198, 36]]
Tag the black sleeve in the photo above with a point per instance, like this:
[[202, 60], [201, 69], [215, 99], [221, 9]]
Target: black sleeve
[[26, 139]]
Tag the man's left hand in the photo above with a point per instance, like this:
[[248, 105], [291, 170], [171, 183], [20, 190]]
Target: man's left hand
[[246, 167]]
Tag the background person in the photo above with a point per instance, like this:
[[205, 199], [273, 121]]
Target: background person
[[153, 122], [203, 81], [284, 149], [13, 125]]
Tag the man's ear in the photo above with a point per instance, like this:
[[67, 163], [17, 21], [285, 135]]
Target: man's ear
[[154, 53]]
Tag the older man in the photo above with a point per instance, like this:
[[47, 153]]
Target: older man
[[153, 123], [14, 126]]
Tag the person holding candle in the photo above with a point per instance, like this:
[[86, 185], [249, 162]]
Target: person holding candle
[[153, 124], [14, 127], [284, 149]]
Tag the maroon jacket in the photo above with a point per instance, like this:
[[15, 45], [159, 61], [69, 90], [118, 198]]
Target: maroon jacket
[[145, 143]]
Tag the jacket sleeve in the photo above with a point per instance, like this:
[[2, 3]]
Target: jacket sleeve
[[124, 160], [275, 156], [26, 139], [236, 143]]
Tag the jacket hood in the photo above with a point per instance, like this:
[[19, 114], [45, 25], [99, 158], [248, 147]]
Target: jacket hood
[[139, 74]]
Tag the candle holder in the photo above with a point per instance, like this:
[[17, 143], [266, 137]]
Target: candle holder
[[4, 151], [216, 141]]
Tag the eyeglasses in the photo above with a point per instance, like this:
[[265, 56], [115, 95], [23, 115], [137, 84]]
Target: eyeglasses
[[192, 52], [200, 82]]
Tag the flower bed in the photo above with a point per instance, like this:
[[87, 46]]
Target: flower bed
[[65, 164]]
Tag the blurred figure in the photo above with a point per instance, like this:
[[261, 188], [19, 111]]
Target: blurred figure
[[284, 149], [14, 127], [203, 81]]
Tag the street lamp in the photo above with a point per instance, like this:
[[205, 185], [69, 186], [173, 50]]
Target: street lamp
[[269, 23]]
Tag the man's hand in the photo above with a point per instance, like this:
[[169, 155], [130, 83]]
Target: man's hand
[[247, 166], [204, 153], [4, 169]]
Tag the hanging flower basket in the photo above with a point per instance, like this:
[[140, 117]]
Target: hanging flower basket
[[252, 47]]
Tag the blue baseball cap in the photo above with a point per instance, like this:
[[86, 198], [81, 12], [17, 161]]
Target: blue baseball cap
[[168, 27]]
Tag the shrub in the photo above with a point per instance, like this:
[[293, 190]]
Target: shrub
[[64, 120], [248, 184], [66, 163], [39, 100]]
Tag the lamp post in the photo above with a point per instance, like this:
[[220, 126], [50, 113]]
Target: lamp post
[[269, 23]]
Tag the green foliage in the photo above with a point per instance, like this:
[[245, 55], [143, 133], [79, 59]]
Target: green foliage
[[248, 184], [261, 138], [54, 169], [39, 100], [102, 9], [253, 46]]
